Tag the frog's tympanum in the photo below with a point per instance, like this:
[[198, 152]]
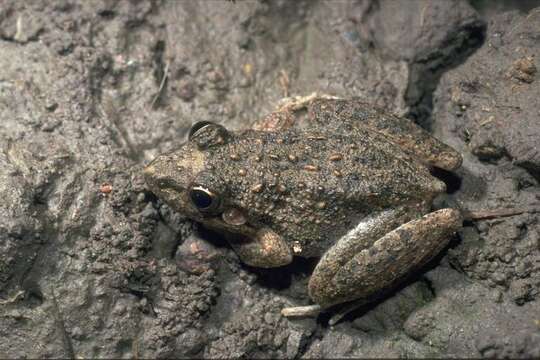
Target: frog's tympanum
[[353, 188]]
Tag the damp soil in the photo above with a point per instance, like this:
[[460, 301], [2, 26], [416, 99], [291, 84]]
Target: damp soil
[[93, 265]]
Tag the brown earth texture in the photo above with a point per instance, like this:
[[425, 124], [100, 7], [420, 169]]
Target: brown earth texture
[[93, 265]]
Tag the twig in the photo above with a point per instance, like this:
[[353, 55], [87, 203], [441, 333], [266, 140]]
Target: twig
[[498, 213], [162, 84], [13, 299]]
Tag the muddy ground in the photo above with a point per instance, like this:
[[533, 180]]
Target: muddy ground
[[93, 265]]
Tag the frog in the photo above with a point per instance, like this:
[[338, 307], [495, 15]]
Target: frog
[[336, 179]]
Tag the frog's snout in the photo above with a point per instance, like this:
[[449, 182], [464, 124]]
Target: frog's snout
[[169, 175], [158, 173], [151, 171]]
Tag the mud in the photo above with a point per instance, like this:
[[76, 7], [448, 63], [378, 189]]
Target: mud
[[93, 265]]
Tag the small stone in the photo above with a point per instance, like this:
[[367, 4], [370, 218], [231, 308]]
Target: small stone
[[418, 325], [28, 28], [190, 342], [521, 291], [269, 318], [186, 90], [257, 188], [77, 333], [497, 296], [245, 42], [488, 151], [499, 278], [105, 188], [311, 167], [524, 69], [293, 343], [51, 105]]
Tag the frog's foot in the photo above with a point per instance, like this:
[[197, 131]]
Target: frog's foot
[[301, 311]]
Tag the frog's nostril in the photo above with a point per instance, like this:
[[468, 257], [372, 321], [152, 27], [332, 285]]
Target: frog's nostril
[[151, 174], [155, 172], [156, 168]]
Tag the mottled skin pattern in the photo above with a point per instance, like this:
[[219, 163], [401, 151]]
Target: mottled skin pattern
[[352, 188]]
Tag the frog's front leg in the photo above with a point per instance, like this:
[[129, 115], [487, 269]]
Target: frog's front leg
[[264, 249], [376, 254]]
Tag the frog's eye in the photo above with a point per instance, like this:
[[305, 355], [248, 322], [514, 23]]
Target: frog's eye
[[206, 134], [203, 198], [198, 126]]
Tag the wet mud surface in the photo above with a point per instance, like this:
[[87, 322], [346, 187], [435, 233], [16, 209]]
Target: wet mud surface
[[92, 264]]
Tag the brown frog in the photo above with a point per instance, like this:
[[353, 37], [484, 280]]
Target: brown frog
[[353, 188]]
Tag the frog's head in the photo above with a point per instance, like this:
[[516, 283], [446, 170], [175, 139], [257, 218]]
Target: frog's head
[[182, 178], [185, 180]]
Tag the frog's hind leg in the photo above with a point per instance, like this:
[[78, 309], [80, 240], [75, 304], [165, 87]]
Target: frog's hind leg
[[343, 116], [361, 237], [343, 276]]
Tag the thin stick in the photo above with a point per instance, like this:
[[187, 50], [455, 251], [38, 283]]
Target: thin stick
[[161, 85], [17, 296], [498, 213]]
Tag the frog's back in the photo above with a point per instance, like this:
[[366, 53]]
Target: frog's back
[[312, 186], [362, 168]]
